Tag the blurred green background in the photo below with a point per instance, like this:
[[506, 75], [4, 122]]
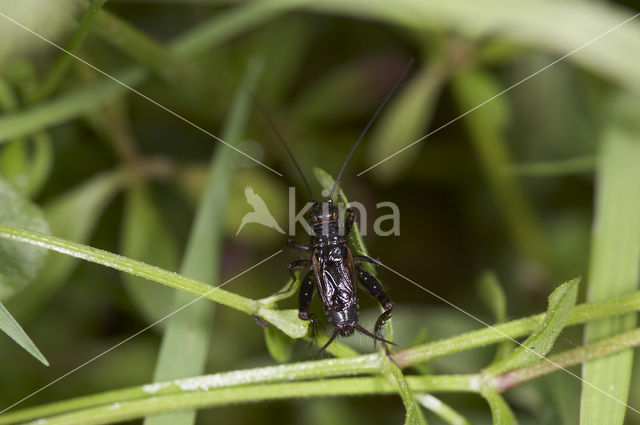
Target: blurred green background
[[508, 188]]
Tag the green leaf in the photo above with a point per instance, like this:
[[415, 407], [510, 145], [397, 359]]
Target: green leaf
[[24, 163], [561, 301], [73, 215], [9, 326], [278, 344], [615, 253], [186, 339], [19, 263], [444, 411], [500, 411], [65, 107], [493, 296], [287, 321], [78, 102], [324, 101], [556, 27], [555, 168], [145, 237], [27, 172], [59, 68], [486, 127], [414, 413], [50, 23], [405, 120]]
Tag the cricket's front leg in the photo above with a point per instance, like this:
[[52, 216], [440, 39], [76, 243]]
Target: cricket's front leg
[[304, 302]]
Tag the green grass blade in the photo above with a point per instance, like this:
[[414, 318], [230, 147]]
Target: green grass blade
[[146, 236], [285, 320], [556, 168], [67, 106], [406, 119], [561, 302], [63, 61], [76, 103], [444, 411], [414, 414], [19, 265], [558, 27], [12, 328], [500, 411], [186, 339], [487, 127], [614, 264], [72, 215]]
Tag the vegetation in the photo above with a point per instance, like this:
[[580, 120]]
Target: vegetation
[[129, 134]]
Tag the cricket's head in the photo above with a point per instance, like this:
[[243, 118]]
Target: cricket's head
[[322, 212], [346, 330]]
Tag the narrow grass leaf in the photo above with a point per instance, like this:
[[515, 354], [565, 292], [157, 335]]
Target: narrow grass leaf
[[147, 238], [19, 264], [493, 296], [72, 215], [406, 119], [414, 413], [561, 301], [487, 126], [556, 168], [78, 102], [500, 411], [278, 344], [27, 163], [615, 253], [186, 339], [139, 46], [66, 106], [557, 27], [63, 61], [11, 327], [444, 411]]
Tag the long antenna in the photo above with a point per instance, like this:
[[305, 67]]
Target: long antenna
[[373, 118], [284, 144]]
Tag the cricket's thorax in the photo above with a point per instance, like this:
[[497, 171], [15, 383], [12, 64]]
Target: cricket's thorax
[[336, 284], [324, 221]]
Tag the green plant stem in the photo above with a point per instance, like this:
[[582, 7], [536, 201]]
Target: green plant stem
[[53, 78], [76, 103], [262, 384], [513, 329], [366, 364], [126, 410], [136, 268], [566, 359]]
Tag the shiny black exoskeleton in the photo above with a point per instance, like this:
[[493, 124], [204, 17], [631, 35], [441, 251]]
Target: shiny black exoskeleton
[[333, 272], [333, 268]]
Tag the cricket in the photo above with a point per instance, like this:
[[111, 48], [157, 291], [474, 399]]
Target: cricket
[[332, 269]]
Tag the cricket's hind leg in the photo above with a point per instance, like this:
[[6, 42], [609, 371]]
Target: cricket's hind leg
[[374, 288]]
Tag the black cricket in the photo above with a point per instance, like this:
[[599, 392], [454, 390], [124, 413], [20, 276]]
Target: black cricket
[[333, 269], [333, 273]]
